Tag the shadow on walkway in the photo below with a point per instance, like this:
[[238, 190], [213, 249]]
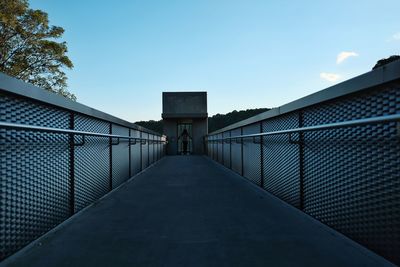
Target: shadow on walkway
[[189, 211]]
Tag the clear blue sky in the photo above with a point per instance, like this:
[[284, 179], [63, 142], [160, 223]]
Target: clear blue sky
[[245, 54]]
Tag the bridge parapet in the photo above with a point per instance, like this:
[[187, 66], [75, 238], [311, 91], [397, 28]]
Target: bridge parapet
[[58, 157], [334, 154]]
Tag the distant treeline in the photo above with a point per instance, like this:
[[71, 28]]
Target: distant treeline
[[156, 126], [219, 121], [215, 122]]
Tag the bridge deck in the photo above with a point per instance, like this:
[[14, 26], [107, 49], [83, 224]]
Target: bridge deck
[[189, 211]]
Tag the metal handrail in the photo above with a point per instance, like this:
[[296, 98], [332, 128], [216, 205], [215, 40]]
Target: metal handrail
[[33, 128], [373, 120]]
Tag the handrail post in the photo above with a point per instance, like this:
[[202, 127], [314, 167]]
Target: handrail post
[[111, 163], [241, 151], [261, 157], [223, 151], [141, 152], [218, 158], [129, 156], [230, 150], [154, 148]]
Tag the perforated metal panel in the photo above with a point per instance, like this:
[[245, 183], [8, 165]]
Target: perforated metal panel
[[351, 176], [135, 154], [34, 181], [252, 154], [145, 152], [236, 148], [120, 157], [227, 150], [281, 159], [92, 162]]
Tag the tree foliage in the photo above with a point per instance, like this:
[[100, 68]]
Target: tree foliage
[[220, 121], [29, 50], [153, 125], [215, 122], [382, 62]]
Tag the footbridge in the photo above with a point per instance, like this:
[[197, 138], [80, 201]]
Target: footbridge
[[315, 182]]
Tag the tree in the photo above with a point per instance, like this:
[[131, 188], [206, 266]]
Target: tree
[[215, 122], [29, 50], [382, 62]]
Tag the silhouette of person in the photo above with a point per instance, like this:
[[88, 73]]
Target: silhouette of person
[[185, 140]]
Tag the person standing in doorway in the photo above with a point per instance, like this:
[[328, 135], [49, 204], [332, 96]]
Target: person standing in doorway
[[185, 140]]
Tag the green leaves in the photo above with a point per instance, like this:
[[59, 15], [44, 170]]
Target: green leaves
[[29, 50], [382, 62]]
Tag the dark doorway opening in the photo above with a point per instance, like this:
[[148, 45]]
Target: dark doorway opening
[[185, 139]]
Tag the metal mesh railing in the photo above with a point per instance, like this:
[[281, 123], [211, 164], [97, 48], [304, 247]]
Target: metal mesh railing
[[56, 161], [338, 161]]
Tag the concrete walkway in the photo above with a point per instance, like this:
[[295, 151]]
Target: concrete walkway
[[189, 211]]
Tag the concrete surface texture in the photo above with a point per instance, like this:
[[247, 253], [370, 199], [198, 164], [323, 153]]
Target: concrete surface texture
[[189, 211], [184, 105], [185, 108]]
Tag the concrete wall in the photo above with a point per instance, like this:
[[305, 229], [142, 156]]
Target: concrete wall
[[170, 130], [199, 130], [185, 107]]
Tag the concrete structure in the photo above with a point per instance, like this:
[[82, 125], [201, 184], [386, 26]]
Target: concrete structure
[[185, 110]]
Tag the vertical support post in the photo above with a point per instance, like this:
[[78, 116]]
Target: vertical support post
[[216, 148], [230, 150], [71, 165], [223, 150], [301, 160], [213, 144], [261, 156], [148, 150], [154, 152], [129, 157], [241, 150], [141, 153], [110, 145]]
